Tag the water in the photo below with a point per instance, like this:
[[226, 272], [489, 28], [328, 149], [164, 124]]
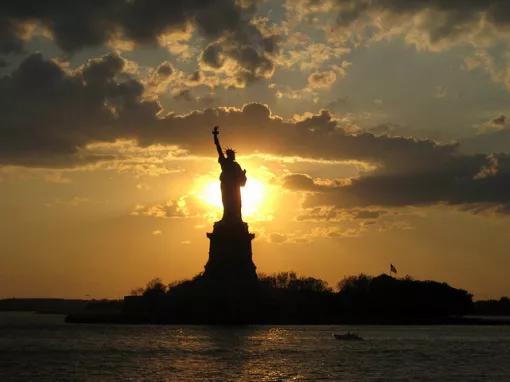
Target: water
[[43, 348]]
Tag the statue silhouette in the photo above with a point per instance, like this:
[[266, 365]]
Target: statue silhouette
[[232, 179], [230, 253]]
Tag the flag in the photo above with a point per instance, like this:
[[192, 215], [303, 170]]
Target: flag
[[393, 269]]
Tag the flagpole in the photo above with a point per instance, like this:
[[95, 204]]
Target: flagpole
[[393, 270]]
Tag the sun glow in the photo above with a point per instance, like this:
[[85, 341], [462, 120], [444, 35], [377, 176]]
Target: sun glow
[[254, 194]]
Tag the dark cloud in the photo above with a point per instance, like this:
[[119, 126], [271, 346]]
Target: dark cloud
[[322, 79], [299, 182], [10, 36], [213, 56], [165, 69], [437, 20], [102, 71], [501, 120], [78, 24], [48, 112], [477, 180], [50, 115], [195, 76], [252, 60]]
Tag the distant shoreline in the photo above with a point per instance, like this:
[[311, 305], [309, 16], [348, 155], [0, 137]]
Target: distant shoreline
[[457, 321], [119, 319], [281, 299]]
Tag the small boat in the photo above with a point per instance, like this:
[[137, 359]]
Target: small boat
[[348, 337]]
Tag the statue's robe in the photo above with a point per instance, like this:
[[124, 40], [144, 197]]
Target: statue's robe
[[232, 179]]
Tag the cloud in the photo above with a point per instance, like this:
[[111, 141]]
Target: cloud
[[48, 113], [213, 56], [461, 180], [367, 214], [277, 238], [126, 156], [490, 169], [299, 182], [495, 124], [301, 52], [238, 63], [324, 79], [186, 206], [431, 25], [334, 222], [317, 214], [334, 214], [52, 117], [225, 25], [500, 121], [164, 70], [11, 40], [493, 137], [79, 25]]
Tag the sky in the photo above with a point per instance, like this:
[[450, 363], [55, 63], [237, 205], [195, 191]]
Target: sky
[[372, 132]]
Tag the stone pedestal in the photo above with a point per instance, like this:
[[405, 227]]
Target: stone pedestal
[[230, 256]]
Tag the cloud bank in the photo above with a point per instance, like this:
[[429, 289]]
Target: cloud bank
[[234, 43], [50, 115]]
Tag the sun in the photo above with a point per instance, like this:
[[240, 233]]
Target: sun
[[253, 196]]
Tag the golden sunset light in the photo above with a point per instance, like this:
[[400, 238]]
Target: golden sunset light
[[272, 162], [254, 196], [364, 127]]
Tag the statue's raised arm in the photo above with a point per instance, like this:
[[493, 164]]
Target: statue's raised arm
[[215, 133]]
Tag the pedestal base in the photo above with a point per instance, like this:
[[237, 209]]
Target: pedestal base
[[230, 255]]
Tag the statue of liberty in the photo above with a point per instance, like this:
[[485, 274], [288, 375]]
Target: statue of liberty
[[232, 179], [230, 253]]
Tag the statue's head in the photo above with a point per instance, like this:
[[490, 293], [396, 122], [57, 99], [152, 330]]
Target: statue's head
[[231, 154]]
